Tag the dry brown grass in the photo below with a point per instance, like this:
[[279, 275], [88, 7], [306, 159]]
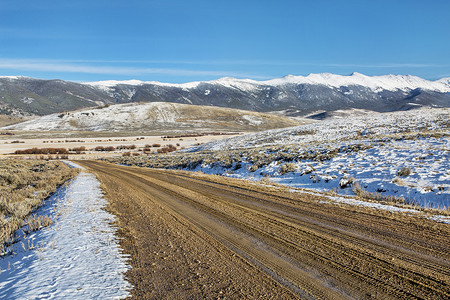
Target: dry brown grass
[[287, 167], [9, 120], [24, 185], [362, 193], [35, 223]]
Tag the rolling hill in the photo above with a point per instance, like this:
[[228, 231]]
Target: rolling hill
[[144, 117]]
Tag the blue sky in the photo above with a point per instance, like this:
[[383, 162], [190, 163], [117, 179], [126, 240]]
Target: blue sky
[[181, 41]]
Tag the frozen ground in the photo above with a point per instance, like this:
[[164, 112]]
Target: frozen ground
[[77, 257], [375, 169], [370, 150]]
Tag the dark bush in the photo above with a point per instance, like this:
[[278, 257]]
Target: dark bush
[[43, 151]]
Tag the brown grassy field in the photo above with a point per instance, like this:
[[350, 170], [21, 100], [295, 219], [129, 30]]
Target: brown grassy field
[[24, 185], [10, 144], [9, 120]]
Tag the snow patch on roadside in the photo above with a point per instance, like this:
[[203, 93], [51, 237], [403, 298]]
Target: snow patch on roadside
[[77, 257], [257, 177]]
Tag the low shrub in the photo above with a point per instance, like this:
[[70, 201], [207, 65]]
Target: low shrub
[[346, 181], [405, 171], [123, 147], [78, 150], [43, 151], [253, 168], [101, 148], [167, 149], [287, 167]]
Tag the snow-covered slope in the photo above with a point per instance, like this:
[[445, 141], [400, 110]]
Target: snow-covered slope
[[332, 131], [154, 116], [376, 83], [400, 154]]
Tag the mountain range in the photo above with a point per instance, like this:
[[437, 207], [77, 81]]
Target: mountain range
[[290, 95]]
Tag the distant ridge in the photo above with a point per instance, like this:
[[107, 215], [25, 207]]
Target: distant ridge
[[293, 95], [387, 82]]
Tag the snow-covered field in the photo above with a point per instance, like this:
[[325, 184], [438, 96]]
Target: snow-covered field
[[77, 257], [401, 154]]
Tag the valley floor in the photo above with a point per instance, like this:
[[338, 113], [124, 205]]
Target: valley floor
[[285, 232]]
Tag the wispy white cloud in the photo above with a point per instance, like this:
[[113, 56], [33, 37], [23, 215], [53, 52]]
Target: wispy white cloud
[[387, 65], [267, 62], [177, 68], [273, 63], [81, 66], [226, 62]]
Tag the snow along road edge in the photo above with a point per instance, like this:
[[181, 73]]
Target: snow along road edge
[[77, 257]]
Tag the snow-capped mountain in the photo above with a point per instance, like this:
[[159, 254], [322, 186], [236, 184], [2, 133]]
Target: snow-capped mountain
[[295, 95], [386, 82]]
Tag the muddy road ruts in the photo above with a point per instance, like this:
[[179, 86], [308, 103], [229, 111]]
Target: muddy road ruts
[[267, 242]]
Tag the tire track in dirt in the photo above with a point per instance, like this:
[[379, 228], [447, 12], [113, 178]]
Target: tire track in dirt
[[316, 250], [348, 252]]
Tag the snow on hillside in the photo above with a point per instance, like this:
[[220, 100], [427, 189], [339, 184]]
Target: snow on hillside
[[375, 83], [114, 117], [77, 257], [401, 154], [340, 129], [106, 84], [13, 77], [152, 116], [385, 82]]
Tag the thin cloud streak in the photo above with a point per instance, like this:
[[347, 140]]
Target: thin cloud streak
[[262, 62], [111, 67], [386, 65], [63, 66]]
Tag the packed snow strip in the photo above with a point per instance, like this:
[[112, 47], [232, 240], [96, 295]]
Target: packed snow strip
[[391, 208], [77, 257]]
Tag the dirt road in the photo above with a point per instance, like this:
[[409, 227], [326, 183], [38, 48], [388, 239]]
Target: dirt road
[[209, 237]]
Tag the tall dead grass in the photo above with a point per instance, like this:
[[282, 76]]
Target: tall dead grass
[[24, 185]]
